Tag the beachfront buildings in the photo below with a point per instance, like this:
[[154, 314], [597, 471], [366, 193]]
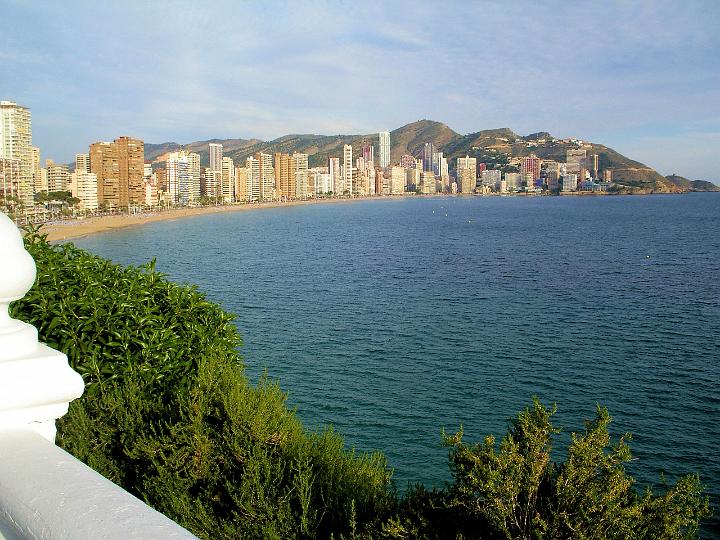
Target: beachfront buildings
[[384, 146], [119, 167], [16, 149]]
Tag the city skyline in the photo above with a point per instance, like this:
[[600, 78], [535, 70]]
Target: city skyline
[[641, 78]]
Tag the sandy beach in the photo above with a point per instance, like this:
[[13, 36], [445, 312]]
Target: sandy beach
[[67, 230]]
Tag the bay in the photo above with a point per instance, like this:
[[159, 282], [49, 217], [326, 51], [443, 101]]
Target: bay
[[393, 318]]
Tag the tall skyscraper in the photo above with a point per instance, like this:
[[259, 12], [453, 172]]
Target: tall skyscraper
[[252, 171], [300, 172], [267, 176], [16, 144], [228, 180], [384, 145], [104, 164], [119, 167], [216, 155], [131, 167], [177, 177], [241, 184], [193, 159], [285, 176], [466, 175], [335, 176], [347, 169], [38, 184], [428, 153]]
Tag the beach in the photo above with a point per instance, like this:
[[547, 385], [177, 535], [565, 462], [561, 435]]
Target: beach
[[78, 228]]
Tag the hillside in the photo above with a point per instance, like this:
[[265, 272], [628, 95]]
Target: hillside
[[691, 185], [156, 152], [493, 146]]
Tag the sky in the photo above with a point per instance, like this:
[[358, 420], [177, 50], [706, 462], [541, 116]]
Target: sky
[[642, 77]]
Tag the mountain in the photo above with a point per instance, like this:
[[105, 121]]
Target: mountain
[[496, 147], [692, 185], [156, 152]]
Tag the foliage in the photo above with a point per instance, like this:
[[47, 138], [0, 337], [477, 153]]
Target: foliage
[[514, 490], [169, 415]]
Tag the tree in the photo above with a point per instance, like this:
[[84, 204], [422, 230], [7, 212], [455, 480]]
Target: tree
[[521, 493]]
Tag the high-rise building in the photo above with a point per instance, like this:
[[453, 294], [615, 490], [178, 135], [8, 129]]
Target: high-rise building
[[39, 181], [575, 160], [193, 159], [384, 145], [368, 155], [240, 184], [227, 189], [512, 181], [58, 176], [428, 153], [85, 188], [82, 162], [335, 176], [285, 176], [16, 144], [347, 169], [252, 168], [531, 165], [466, 175], [592, 165], [427, 182], [119, 167], [266, 176], [569, 182], [177, 177], [131, 166], [104, 164], [397, 181], [300, 171], [216, 155]]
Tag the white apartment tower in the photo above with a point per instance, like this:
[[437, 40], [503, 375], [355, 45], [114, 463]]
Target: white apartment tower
[[252, 168], [227, 189], [347, 169], [216, 156], [384, 145], [16, 144], [301, 175], [336, 184]]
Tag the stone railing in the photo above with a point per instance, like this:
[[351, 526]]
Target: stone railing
[[45, 493]]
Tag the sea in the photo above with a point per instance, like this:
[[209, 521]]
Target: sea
[[394, 319]]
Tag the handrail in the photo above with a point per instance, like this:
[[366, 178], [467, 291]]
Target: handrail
[[45, 493]]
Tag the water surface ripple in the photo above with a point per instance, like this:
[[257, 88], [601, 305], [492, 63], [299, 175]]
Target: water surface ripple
[[393, 318]]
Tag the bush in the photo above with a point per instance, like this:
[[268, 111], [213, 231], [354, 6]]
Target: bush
[[515, 490], [169, 415]]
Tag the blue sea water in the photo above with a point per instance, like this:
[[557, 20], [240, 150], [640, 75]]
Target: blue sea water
[[391, 319]]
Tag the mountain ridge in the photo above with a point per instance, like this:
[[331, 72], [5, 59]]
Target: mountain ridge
[[495, 146]]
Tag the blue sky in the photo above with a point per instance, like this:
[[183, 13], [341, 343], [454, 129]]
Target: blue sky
[[641, 77]]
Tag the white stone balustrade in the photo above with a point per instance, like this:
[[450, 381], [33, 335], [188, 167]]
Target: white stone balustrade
[[45, 493]]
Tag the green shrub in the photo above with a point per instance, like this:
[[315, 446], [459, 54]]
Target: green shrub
[[169, 415]]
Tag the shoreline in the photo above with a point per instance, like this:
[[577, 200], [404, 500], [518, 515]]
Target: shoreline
[[79, 228]]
